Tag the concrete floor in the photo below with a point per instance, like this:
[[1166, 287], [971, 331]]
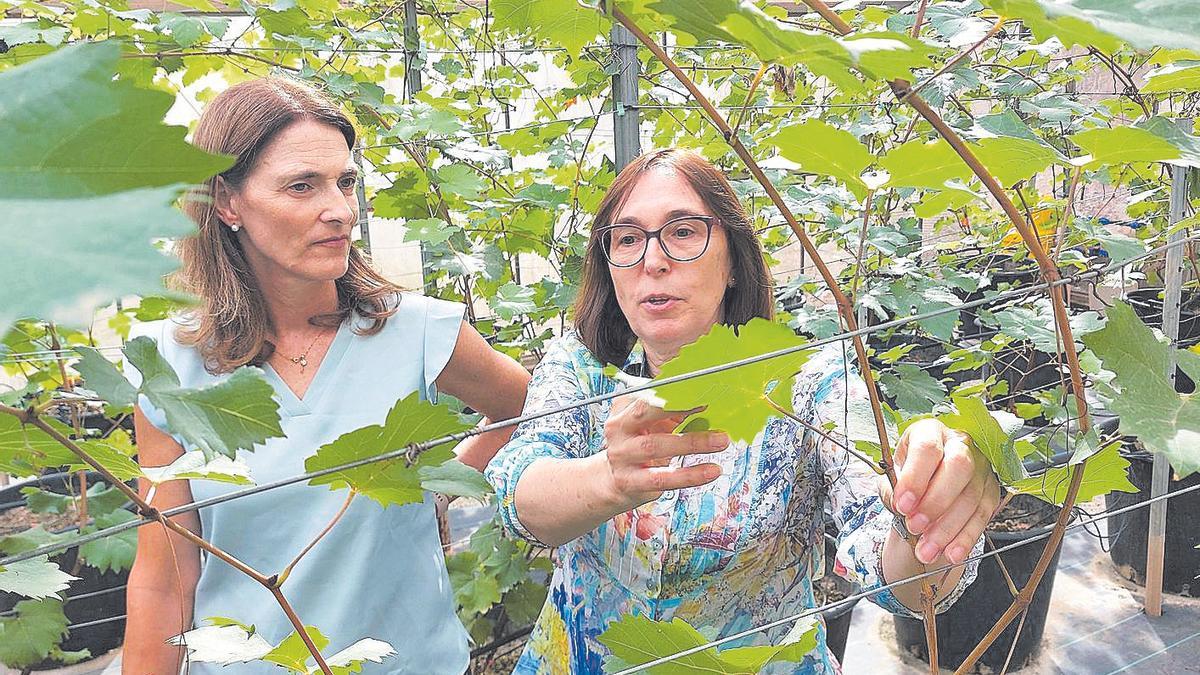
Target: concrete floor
[[1096, 623]]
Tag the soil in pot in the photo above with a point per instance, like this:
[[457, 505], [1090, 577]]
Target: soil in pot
[[93, 597], [962, 626], [1128, 531]]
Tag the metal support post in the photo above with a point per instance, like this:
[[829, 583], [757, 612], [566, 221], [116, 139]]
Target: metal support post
[[1161, 476], [360, 190], [626, 116]]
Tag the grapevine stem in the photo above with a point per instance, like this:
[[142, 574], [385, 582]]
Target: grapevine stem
[[287, 571]]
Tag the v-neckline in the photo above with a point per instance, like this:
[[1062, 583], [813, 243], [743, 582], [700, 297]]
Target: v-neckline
[[302, 405]]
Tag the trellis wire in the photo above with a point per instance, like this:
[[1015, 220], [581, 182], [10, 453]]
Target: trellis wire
[[865, 594], [416, 449]]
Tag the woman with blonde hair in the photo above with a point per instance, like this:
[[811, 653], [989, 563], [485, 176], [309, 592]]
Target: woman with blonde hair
[[282, 287]]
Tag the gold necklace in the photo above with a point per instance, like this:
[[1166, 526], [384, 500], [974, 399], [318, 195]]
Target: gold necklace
[[302, 359]]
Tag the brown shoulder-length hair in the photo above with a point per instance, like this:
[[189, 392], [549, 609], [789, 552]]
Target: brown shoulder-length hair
[[231, 327], [599, 322]]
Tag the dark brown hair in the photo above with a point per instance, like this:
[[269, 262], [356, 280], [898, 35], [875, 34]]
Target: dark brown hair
[[231, 327], [599, 322]]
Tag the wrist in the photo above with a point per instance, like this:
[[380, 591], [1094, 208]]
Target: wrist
[[598, 474]]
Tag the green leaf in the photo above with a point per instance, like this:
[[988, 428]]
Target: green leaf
[[914, 389], [114, 453], [25, 450], [635, 639], [1147, 24], [564, 22], [1122, 145], [220, 419], [1164, 421], [101, 499], [1106, 471], [351, 659], [1173, 77], [225, 643], [34, 578], [292, 653], [195, 465], [971, 417], [475, 593], [926, 165], [1169, 131], [524, 602], [28, 637], [1013, 159], [460, 180], [428, 230], [512, 300], [114, 552], [1069, 29], [826, 150], [1036, 324], [455, 478], [102, 377], [27, 540], [389, 482], [69, 130], [737, 397]]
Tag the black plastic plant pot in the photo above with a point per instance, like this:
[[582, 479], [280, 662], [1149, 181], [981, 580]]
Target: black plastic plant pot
[[94, 601], [837, 619], [1128, 531], [1147, 303], [1026, 369], [964, 625]]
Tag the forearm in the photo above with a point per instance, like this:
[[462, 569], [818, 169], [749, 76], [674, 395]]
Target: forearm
[[562, 499], [900, 562], [155, 615], [477, 451]]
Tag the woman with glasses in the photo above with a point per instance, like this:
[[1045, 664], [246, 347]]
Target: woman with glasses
[[687, 525]]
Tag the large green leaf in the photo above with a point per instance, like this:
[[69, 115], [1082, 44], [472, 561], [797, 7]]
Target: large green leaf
[[1014, 159], [114, 552], [87, 159], [1123, 145], [635, 640], [1106, 471], [292, 653], [925, 165], [102, 377], [25, 449], [390, 482], [225, 643], [70, 130], [220, 419], [28, 637], [971, 417], [1147, 24], [824, 149], [913, 388], [195, 465], [1164, 421], [564, 22], [33, 578], [455, 478], [1173, 77], [737, 398]]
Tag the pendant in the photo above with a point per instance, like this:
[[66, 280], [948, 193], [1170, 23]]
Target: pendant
[[301, 360]]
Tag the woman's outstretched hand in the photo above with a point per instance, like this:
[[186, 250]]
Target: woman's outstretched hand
[[945, 489], [639, 446]]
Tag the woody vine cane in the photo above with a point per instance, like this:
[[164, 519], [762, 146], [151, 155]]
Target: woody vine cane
[[844, 304], [1050, 273], [272, 583]]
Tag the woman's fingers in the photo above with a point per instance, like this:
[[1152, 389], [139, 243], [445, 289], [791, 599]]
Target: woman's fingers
[[934, 540], [919, 454], [955, 471], [653, 448], [661, 479]]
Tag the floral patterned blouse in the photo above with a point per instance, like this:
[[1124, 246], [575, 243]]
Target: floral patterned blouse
[[737, 553]]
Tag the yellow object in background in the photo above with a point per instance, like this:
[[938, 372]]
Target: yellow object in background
[[1041, 222]]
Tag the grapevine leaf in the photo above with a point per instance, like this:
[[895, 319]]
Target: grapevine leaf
[[25, 450], [350, 659], [564, 22], [292, 653], [523, 603], [737, 398], [114, 552], [27, 540], [220, 419], [1173, 77], [927, 165], [455, 478], [33, 578], [102, 499], [114, 453], [428, 230], [914, 389], [635, 640], [223, 644], [1014, 159], [1106, 471], [1164, 421], [1071, 30], [1148, 24], [101, 376], [30, 635], [824, 149], [1167, 130], [474, 593], [388, 482], [195, 466], [971, 417], [512, 299], [1123, 145]]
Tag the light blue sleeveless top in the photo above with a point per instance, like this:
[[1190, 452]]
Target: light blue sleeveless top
[[380, 572]]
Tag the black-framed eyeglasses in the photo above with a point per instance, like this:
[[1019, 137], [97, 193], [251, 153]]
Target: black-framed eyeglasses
[[683, 239]]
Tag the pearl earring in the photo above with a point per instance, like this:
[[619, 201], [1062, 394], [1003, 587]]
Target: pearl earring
[[235, 227]]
